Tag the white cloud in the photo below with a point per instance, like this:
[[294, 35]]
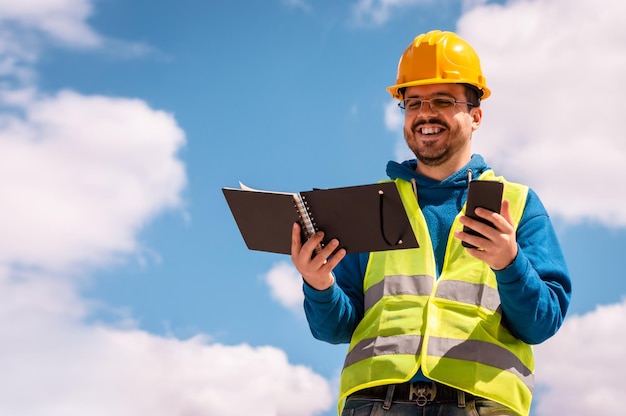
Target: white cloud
[[16, 57], [394, 121], [61, 20], [55, 364], [285, 285], [554, 118], [585, 360], [378, 12], [81, 175], [26, 26]]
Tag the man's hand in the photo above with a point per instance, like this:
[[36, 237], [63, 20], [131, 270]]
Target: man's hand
[[316, 270], [498, 246]]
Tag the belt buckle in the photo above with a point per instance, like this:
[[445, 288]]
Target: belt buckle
[[422, 392]]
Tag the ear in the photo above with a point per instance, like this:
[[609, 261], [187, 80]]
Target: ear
[[477, 115]]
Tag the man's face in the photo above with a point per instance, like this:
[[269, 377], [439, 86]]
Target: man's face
[[443, 135]]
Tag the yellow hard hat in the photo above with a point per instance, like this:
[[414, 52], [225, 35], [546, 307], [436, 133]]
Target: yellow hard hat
[[439, 58]]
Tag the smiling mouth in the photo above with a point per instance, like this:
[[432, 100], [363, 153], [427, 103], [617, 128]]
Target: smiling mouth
[[426, 131]]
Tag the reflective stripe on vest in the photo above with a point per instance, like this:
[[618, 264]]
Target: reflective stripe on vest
[[492, 355], [404, 306], [459, 291], [372, 347], [419, 285]]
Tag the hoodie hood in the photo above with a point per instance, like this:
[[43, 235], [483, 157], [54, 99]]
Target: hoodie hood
[[406, 171]]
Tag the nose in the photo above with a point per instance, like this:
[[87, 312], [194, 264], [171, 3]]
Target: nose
[[427, 107]]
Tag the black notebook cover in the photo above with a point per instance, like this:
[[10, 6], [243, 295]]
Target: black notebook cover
[[363, 218]]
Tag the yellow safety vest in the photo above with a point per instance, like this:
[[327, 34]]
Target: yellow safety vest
[[451, 327]]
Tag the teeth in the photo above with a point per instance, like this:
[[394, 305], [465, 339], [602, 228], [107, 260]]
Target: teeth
[[431, 130]]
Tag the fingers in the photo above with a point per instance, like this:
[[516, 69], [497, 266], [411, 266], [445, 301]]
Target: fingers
[[296, 242], [309, 245], [315, 268], [501, 221], [497, 245], [324, 257], [505, 211]]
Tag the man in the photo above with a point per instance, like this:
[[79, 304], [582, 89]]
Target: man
[[441, 329]]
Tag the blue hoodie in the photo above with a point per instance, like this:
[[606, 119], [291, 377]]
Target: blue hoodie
[[534, 290]]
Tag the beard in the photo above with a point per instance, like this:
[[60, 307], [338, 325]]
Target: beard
[[437, 152]]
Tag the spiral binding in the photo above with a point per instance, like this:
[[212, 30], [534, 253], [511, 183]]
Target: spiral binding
[[307, 220]]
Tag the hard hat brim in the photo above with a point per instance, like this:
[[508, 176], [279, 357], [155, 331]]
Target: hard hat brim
[[394, 90]]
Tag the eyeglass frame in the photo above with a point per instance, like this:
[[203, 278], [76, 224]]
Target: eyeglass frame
[[452, 100]]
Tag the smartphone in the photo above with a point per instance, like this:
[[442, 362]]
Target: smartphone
[[482, 194]]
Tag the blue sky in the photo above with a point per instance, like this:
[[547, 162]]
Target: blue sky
[[125, 287]]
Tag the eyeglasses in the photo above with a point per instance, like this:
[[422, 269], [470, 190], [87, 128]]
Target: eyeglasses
[[437, 105]]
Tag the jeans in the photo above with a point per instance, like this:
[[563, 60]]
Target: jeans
[[374, 407]]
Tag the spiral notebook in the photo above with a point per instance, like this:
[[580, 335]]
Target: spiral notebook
[[363, 218]]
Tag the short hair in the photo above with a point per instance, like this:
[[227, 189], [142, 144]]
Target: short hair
[[473, 94]]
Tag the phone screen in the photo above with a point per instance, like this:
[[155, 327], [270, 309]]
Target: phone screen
[[482, 194]]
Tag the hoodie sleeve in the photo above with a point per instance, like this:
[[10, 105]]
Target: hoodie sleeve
[[334, 313], [535, 289]]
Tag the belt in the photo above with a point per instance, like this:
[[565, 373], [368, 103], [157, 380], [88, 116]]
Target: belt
[[422, 393]]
